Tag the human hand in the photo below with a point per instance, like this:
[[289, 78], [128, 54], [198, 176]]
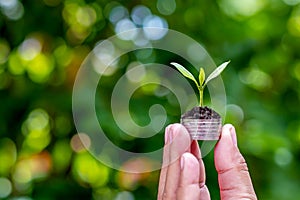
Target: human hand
[[183, 174]]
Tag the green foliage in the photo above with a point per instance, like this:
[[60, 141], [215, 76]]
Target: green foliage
[[216, 72], [202, 81], [185, 72], [201, 76]]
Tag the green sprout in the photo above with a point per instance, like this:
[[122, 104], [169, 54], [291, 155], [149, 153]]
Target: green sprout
[[202, 81]]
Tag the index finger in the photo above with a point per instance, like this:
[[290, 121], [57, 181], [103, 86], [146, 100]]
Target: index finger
[[164, 169], [180, 144]]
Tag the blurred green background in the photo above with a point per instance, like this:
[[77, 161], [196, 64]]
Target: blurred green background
[[43, 43]]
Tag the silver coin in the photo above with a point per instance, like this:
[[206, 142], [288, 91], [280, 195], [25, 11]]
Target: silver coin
[[203, 129]]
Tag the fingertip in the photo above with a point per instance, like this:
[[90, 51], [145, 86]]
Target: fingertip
[[174, 130], [170, 132], [188, 160], [232, 169], [228, 131], [176, 127], [178, 140], [190, 169], [228, 126], [233, 135], [226, 135], [224, 149], [167, 132]]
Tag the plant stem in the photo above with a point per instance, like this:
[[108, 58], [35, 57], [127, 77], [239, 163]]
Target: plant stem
[[201, 97]]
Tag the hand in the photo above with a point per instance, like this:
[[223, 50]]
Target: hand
[[183, 174]]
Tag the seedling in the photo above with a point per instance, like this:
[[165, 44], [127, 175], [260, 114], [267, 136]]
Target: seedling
[[203, 123], [202, 82]]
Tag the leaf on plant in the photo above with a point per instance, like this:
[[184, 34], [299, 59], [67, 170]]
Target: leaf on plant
[[216, 72], [184, 72], [201, 76]]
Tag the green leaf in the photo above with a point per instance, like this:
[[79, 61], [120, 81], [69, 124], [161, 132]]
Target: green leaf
[[185, 72], [201, 76], [216, 72]]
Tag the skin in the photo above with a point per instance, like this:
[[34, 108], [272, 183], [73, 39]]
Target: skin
[[182, 175]]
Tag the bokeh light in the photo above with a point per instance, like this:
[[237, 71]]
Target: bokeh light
[[153, 21], [29, 49], [5, 187], [8, 156], [80, 17], [118, 13], [291, 2], [283, 156], [36, 129], [294, 22], [123, 28], [237, 9], [166, 7], [256, 78], [136, 75], [130, 181], [12, 9], [234, 114], [103, 61], [80, 142], [139, 13], [88, 170], [125, 196], [28, 169], [61, 155]]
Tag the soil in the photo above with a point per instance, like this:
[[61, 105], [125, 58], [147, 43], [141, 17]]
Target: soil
[[201, 113]]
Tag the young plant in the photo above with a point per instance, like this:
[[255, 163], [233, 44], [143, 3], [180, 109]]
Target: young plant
[[202, 82]]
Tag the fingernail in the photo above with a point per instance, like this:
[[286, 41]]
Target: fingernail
[[233, 135], [182, 162], [167, 132], [170, 135]]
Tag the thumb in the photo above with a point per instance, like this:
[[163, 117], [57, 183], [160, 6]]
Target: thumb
[[233, 175]]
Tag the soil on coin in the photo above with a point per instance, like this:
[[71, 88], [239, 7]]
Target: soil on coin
[[201, 113]]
